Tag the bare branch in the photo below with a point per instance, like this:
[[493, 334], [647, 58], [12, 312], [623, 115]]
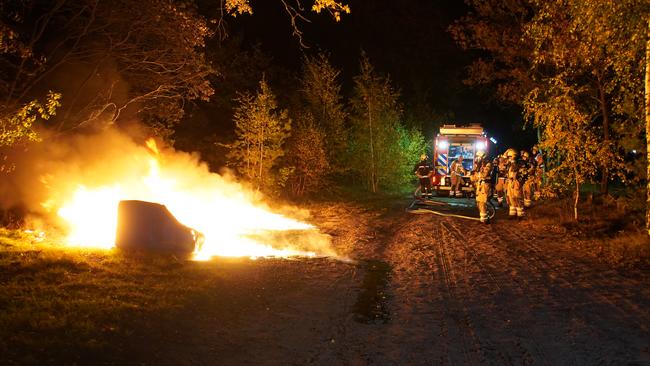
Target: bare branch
[[295, 15]]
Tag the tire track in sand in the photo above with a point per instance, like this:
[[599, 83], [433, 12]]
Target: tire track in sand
[[455, 306], [490, 260]]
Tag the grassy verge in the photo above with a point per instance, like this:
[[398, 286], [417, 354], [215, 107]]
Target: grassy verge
[[63, 304], [611, 229]]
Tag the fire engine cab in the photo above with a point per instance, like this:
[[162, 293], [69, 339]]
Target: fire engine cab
[[451, 142]]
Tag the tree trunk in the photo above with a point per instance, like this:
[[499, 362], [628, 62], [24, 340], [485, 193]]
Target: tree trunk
[[647, 124], [603, 107], [259, 178], [248, 160], [373, 178], [373, 186], [577, 196], [544, 160]]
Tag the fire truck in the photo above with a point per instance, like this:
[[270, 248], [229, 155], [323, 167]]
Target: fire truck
[[451, 142]]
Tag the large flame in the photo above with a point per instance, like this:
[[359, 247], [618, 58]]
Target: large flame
[[229, 216]]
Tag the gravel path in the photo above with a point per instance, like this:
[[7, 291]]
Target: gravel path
[[457, 293]]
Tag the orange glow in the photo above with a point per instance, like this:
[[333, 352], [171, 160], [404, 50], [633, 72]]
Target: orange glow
[[233, 223], [151, 144]]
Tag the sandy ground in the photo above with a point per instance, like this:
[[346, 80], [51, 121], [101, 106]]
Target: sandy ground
[[438, 291]]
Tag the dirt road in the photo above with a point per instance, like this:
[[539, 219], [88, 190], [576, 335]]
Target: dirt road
[[427, 290]]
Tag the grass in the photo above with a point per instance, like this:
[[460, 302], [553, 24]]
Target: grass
[[360, 196], [609, 228], [70, 304]]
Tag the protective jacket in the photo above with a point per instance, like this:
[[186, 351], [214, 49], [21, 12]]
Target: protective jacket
[[422, 169], [514, 188]]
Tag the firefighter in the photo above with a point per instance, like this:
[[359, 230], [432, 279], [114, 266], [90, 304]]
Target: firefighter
[[527, 177], [457, 173], [514, 189], [479, 162], [423, 171], [483, 183], [500, 168], [538, 162]]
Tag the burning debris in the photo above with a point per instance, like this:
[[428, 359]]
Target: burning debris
[[150, 226], [83, 181]]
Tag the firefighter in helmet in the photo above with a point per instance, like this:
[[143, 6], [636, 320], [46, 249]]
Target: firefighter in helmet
[[527, 176], [514, 186], [500, 167], [482, 179], [479, 162], [538, 162], [457, 173], [423, 171]]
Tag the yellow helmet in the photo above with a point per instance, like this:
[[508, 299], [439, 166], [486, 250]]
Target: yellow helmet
[[511, 153]]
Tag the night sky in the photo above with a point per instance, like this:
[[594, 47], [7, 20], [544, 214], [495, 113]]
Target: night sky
[[408, 40]]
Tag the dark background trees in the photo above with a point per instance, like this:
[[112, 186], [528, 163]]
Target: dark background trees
[[177, 68], [111, 61]]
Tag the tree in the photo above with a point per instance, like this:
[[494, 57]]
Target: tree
[[18, 125], [379, 145], [306, 156], [16, 120], [575, 40], [294, 9], [496, 29], [623, 30], [322, 96], [412, 144], [569, 139], [114, 60], [601, 45], [261, 129], [647, 125], [590, 54], [208, 122]]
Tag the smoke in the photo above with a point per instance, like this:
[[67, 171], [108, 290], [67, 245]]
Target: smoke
[[47, 175]]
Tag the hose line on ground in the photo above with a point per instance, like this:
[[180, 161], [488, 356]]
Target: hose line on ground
[[421, 211]]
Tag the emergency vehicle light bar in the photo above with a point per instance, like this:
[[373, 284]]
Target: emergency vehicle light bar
[[473, 129]]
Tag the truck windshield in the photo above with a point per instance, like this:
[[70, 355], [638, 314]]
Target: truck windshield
[[466, 150]]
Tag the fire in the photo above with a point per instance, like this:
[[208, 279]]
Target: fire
[[229, 217], [92, 216]]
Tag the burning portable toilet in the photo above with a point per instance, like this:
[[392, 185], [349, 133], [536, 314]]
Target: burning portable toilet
[[150, 226]]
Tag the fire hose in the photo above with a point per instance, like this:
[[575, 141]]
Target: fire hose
[[430, 211], [414, 209]]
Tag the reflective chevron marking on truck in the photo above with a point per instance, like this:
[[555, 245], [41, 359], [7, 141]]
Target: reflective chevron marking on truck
[[442, 164]]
